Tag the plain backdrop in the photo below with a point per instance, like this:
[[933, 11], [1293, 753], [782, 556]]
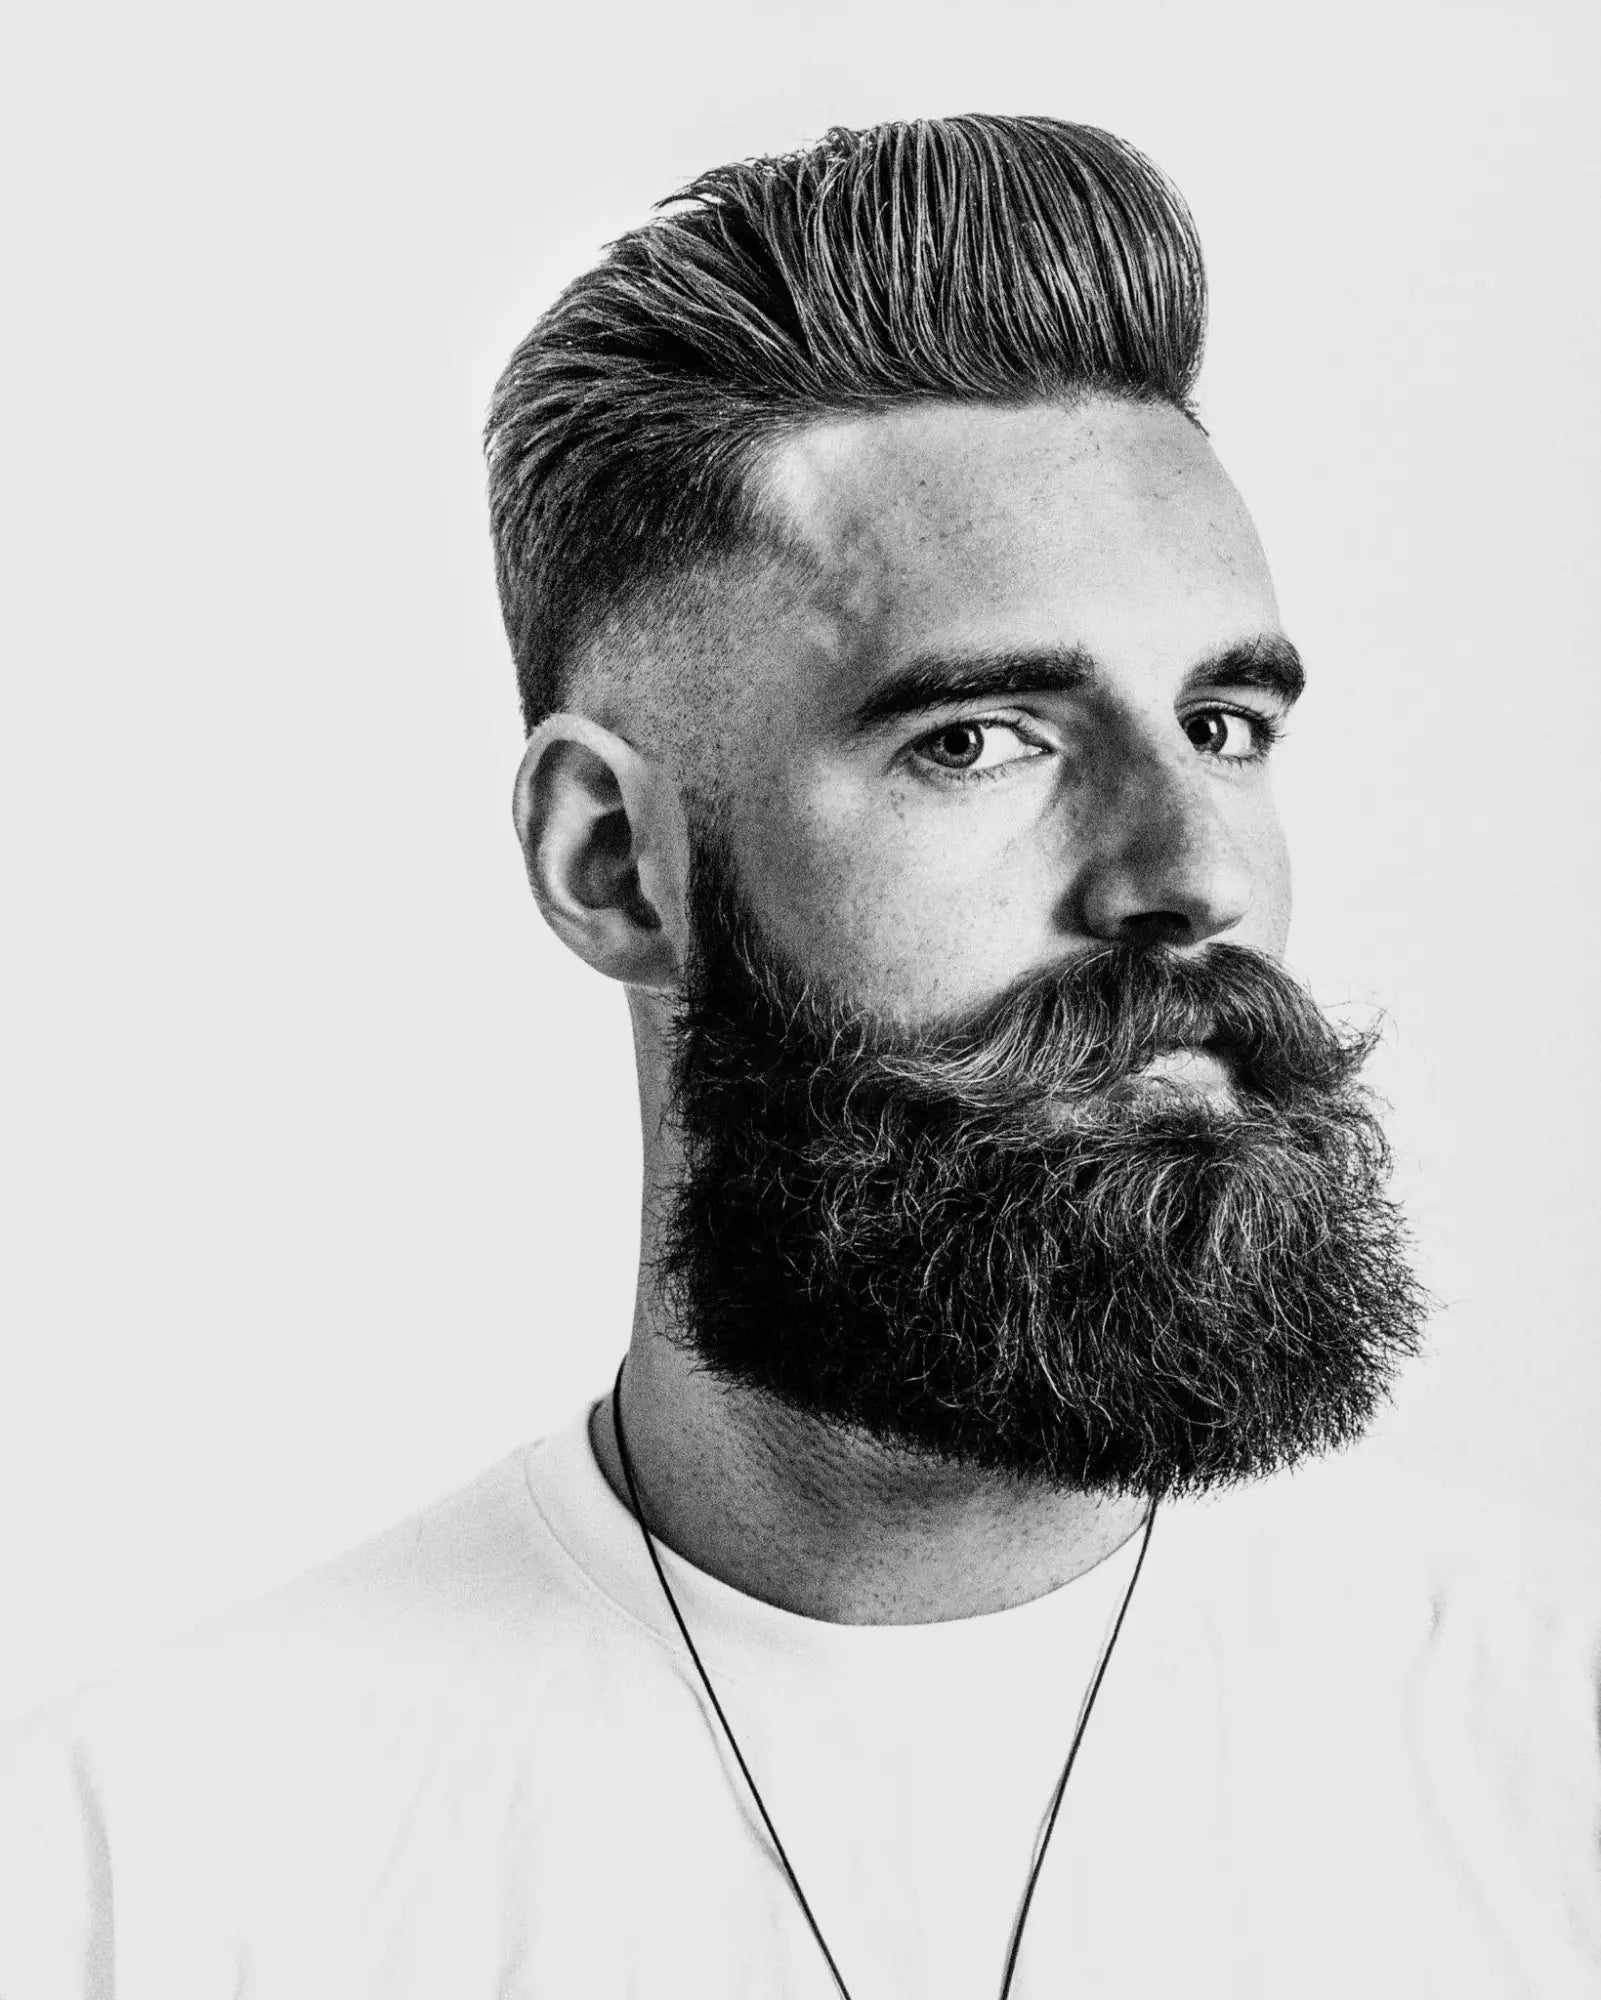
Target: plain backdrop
[[320, 1155]]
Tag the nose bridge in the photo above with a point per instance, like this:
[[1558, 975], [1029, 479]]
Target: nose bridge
[[1160, 859]]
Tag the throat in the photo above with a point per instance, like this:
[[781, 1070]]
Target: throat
[[835, 1527]]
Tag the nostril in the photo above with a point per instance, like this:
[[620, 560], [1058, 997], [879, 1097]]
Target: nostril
[[1153, 927]]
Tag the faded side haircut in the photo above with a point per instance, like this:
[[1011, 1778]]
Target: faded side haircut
[[977, 259]]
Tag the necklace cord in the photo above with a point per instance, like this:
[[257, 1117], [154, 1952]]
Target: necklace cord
[[1043, 1841], [694, 1653], [1016, 1943]]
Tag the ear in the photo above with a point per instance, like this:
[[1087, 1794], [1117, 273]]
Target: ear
[[606, 845]]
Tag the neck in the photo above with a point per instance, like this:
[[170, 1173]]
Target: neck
[[795, 1512], [832, 1525]]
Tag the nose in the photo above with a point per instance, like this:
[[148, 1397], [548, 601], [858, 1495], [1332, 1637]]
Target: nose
[[1166, 868]]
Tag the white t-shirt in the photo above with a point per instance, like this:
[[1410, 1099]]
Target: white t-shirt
[[1341, 1750]]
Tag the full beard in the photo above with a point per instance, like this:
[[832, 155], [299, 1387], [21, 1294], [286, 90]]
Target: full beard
[[990, 1245]]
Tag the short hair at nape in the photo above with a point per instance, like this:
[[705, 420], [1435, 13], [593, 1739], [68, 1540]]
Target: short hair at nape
[[977, 258]]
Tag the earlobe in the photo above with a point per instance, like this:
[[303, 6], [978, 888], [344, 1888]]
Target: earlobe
[[603, 839]]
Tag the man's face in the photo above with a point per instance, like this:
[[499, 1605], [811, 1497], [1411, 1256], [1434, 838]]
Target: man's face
[[1024, 708], [1006, 1139]]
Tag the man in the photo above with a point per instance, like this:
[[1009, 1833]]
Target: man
[[925, 1611]]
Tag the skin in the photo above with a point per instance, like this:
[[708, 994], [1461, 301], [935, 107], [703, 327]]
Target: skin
[[922, 865]]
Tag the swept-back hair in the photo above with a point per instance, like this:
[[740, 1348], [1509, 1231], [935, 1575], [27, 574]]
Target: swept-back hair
[[977, 259]]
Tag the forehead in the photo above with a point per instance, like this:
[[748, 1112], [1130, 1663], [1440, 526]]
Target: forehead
[[1105, 524]]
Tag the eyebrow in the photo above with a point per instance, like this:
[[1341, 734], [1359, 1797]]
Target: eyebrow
[[933, 680], [1268, 662]]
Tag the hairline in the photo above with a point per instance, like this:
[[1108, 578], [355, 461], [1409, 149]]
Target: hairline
[[673, 598]]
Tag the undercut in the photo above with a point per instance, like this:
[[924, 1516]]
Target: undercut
[[976, 259]]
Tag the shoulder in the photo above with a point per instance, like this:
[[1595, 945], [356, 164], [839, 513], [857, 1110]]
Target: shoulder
[[1354, 1529], [433, 1628], [293, 1740], [470, 1587], [1456, 1601]]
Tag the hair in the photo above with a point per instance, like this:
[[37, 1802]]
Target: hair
[[978, 1240], [974, 259]]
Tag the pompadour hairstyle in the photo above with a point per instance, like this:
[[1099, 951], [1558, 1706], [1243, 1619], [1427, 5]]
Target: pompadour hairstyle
[[975, 259]]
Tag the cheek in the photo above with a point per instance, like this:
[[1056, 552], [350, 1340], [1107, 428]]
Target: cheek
[[1268, 927], [909, 914], [921, 914]]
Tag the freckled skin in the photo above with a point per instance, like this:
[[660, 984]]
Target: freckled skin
[[1106, 526]]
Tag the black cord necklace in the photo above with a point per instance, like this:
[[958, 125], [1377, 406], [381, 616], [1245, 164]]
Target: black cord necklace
[[1094, 1688]]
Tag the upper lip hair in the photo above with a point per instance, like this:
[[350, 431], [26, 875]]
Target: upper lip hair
[[1206, 1041]]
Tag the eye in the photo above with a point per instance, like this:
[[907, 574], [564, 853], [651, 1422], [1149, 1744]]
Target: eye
[[1230, 734], [963, 747]]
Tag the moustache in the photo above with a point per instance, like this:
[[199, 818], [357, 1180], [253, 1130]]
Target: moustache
[[1069, 1036], [1083, 1030]]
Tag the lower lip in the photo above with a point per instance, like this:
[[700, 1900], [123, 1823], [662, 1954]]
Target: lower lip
[[1185, 1072]]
